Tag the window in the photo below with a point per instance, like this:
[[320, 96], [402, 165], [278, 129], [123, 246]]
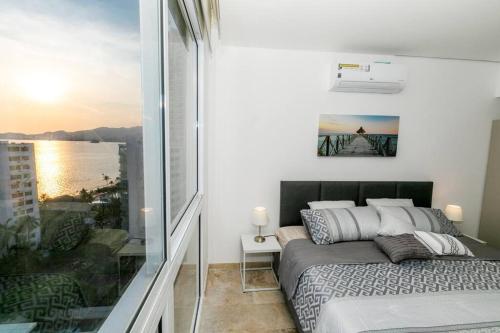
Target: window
[[186, 287], [90, 236], [182, 95]]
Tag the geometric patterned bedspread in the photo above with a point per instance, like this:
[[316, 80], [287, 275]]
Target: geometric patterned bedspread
[[319, 284], [46, 299]]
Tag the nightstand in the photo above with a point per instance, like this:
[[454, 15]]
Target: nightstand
[[249, 246]]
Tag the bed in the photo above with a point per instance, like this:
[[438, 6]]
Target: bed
[[354, 287]]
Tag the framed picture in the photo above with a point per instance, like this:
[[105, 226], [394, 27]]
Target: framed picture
[[358, 135]]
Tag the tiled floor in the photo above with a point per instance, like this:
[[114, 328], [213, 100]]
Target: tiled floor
[[226, 309]]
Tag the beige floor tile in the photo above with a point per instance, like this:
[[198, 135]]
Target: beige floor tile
[[226, 309], [246, 317]]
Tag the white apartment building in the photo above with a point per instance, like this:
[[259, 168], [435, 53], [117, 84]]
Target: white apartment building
[[132, 180], [18, 184]]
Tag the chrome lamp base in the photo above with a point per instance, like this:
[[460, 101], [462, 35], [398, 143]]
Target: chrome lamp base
[[259, 238]]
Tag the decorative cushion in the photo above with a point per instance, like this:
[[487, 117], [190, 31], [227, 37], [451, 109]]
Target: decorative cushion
[[286, 234], [331, 204], [442, 244], [392, 225], [46, 299], [70, 233], [420, 218], [447, 226], [328, 226], [377, 203], [402, 247]]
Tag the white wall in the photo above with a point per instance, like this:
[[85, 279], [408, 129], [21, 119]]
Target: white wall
[[206, 103], [264, 126]]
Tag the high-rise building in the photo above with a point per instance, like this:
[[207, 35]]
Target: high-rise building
[[132, 187], [18, 186]]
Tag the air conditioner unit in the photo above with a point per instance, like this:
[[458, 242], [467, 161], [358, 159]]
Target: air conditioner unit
[[380, 78]]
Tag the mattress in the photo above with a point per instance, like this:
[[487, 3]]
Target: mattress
[[316, 277]]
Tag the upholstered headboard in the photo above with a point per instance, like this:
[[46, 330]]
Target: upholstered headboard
[[296, 194]]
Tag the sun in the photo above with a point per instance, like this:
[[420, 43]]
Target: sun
[[43, 87]]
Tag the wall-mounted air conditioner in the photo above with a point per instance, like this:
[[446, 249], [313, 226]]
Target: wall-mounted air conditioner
[[381, 78]]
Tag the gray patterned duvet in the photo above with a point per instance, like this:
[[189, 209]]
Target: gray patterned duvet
[[322, 283]]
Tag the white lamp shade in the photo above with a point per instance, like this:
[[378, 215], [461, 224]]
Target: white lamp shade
[[454, 213], [259, 216]]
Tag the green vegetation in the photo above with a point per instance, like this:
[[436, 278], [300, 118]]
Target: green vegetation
[[69, 246]]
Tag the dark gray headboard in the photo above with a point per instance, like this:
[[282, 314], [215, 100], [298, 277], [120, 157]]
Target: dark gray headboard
[[296, 194]]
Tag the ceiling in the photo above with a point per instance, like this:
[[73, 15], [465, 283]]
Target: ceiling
[[464, 29]]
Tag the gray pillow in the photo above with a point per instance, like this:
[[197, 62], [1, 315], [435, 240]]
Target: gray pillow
[[447, 226], [402, 247], [328, 226], [420, 218]]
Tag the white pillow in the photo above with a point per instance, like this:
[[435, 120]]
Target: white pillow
[[442, 244], [392, 225], [377, 203], [331, 204]]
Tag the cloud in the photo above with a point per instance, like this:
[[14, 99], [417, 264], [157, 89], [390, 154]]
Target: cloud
[[99, 59]]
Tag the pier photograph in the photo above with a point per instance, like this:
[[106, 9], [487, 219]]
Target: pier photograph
[[358, 135]]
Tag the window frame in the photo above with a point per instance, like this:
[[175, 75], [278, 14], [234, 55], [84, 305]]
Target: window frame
[[157, 306], [135, 299], [189, 19]]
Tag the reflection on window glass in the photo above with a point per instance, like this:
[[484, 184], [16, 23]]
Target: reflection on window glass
[[72, 224], [186, 288], [182, 62]]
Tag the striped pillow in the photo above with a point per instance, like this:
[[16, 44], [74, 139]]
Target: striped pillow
[[443, 245], [403, 247], [328, 226], [422, 219]]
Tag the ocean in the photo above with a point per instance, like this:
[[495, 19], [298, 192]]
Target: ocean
[[65, 167]]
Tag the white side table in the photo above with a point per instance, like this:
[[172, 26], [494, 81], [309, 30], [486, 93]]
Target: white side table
[[249, 246]]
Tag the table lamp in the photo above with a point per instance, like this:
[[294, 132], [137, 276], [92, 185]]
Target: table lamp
[[259, 219], [454, 213]]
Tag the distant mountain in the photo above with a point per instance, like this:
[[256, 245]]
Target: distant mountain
[[97, 134]]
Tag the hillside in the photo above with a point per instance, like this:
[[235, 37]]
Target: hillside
[[100, 134]]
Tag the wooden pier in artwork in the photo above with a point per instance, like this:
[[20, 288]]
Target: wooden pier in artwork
[[357, 145]]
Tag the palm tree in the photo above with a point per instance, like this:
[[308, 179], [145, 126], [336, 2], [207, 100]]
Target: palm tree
[[105, 178], [7, 232], [86, 196], [24, 226]]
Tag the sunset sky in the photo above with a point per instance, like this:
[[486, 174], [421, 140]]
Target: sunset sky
[[339, 124], [69, 65]]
